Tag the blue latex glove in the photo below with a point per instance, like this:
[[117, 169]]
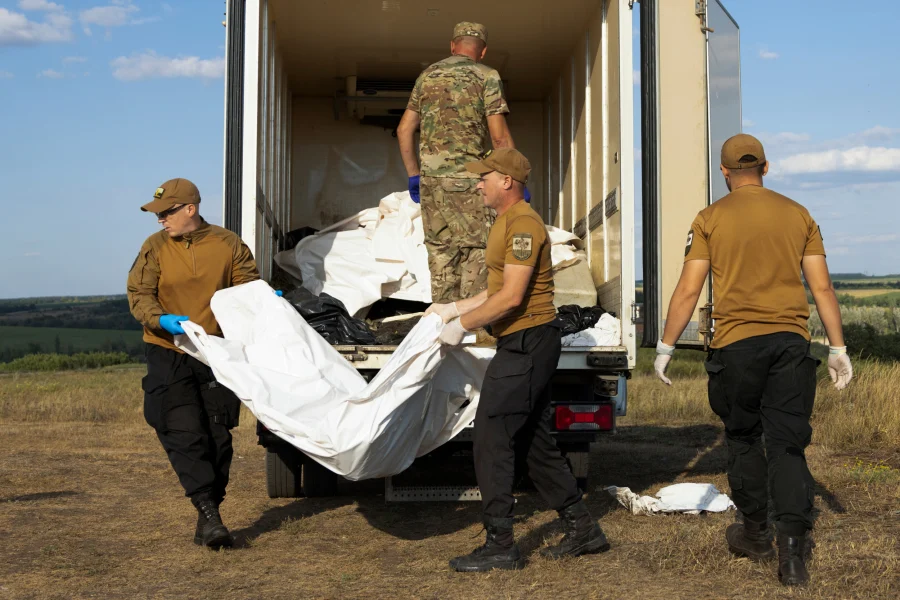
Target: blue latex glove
[[414, 188], [279, 293], [527, 195], [172, 323]]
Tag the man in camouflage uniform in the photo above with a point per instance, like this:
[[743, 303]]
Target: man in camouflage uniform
[[457, 104]]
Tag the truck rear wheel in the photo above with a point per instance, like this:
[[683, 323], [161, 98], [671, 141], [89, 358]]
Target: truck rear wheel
[[318, 482], [283, 472]]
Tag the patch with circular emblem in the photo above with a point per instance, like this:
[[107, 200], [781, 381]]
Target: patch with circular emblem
[[522, 246]]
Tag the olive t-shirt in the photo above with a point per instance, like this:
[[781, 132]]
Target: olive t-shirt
[[518, 237], [755, 239]]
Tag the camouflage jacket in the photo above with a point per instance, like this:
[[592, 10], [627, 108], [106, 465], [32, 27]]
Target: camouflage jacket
[[454, 97], [180, 275]]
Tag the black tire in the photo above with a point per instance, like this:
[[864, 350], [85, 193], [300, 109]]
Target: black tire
[[318, 482], [283, 472]]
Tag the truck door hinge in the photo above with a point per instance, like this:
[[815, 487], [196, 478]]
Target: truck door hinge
[[705, 325], [637, 316]]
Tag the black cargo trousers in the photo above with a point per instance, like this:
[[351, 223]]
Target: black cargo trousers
[[193, 416], [513, 418], [763, 388]]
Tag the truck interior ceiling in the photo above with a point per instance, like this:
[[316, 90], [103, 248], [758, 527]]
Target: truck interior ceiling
[[332, 78]]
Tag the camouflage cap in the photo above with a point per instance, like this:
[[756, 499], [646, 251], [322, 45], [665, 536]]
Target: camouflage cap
[[467, 28], [507, 161], [742, 151], [172, 193]]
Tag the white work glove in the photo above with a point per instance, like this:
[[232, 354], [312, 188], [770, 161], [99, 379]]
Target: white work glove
[[664, 354], [839, 367], [447, 312], [453, 333]]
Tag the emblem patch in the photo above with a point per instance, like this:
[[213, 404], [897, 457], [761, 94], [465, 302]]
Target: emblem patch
[[158, 193], [690, 240], [522, 246]]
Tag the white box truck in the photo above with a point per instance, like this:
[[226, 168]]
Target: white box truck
[[315, 90]]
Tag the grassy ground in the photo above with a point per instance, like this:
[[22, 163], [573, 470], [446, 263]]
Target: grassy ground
[[82, 340], [89, 507]]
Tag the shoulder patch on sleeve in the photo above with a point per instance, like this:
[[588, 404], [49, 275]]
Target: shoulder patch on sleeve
[[522, 244], [690, 241]]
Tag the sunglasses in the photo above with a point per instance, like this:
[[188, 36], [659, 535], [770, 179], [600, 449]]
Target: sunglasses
[[162, 216]]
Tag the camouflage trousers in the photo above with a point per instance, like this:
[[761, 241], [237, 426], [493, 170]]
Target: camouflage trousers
[[456, 226]]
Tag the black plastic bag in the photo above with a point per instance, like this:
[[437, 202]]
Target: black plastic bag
[[328, 316], [574, 318]]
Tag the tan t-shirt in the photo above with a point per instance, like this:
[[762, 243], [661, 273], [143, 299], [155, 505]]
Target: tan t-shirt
[[518, 237], [755, 239]]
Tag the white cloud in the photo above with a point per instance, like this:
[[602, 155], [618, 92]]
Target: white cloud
[[31, 254], [167, 8], [861, 158], [38, 5], [115, 15], [636, 77], [74, 59], [17, 30], [6, 75], [767, 54], [877, 134], [150, 65], [51, 74], [747, 123]]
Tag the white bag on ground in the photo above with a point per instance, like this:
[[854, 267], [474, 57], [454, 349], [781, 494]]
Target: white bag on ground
[[689, 498], [305, 392]]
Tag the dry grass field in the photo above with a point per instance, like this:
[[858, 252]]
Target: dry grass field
[[89, 508]]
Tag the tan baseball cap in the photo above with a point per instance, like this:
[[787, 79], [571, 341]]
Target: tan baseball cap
[[467, 28], [508, 161], [172, 193], [742, 151]]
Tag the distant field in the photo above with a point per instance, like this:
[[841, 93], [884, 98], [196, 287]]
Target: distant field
[[879, 293], [81, 340]]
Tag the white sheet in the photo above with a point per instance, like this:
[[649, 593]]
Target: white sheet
[[380, 253], [604, 333], [691, 498], [305, 392]]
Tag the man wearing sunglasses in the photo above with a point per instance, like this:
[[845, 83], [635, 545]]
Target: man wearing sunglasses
[[173, 279]]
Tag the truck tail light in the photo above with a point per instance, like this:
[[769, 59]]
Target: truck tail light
[[584, 417]]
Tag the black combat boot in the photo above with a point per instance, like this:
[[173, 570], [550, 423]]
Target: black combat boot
[[211, 532], [198, 533], [751, 539], [792, 559], [498, 552], [583, 534]]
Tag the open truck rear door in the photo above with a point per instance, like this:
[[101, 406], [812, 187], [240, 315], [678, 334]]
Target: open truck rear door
[[691, 103]]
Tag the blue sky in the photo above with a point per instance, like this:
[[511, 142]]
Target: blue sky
[[102, 101]]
